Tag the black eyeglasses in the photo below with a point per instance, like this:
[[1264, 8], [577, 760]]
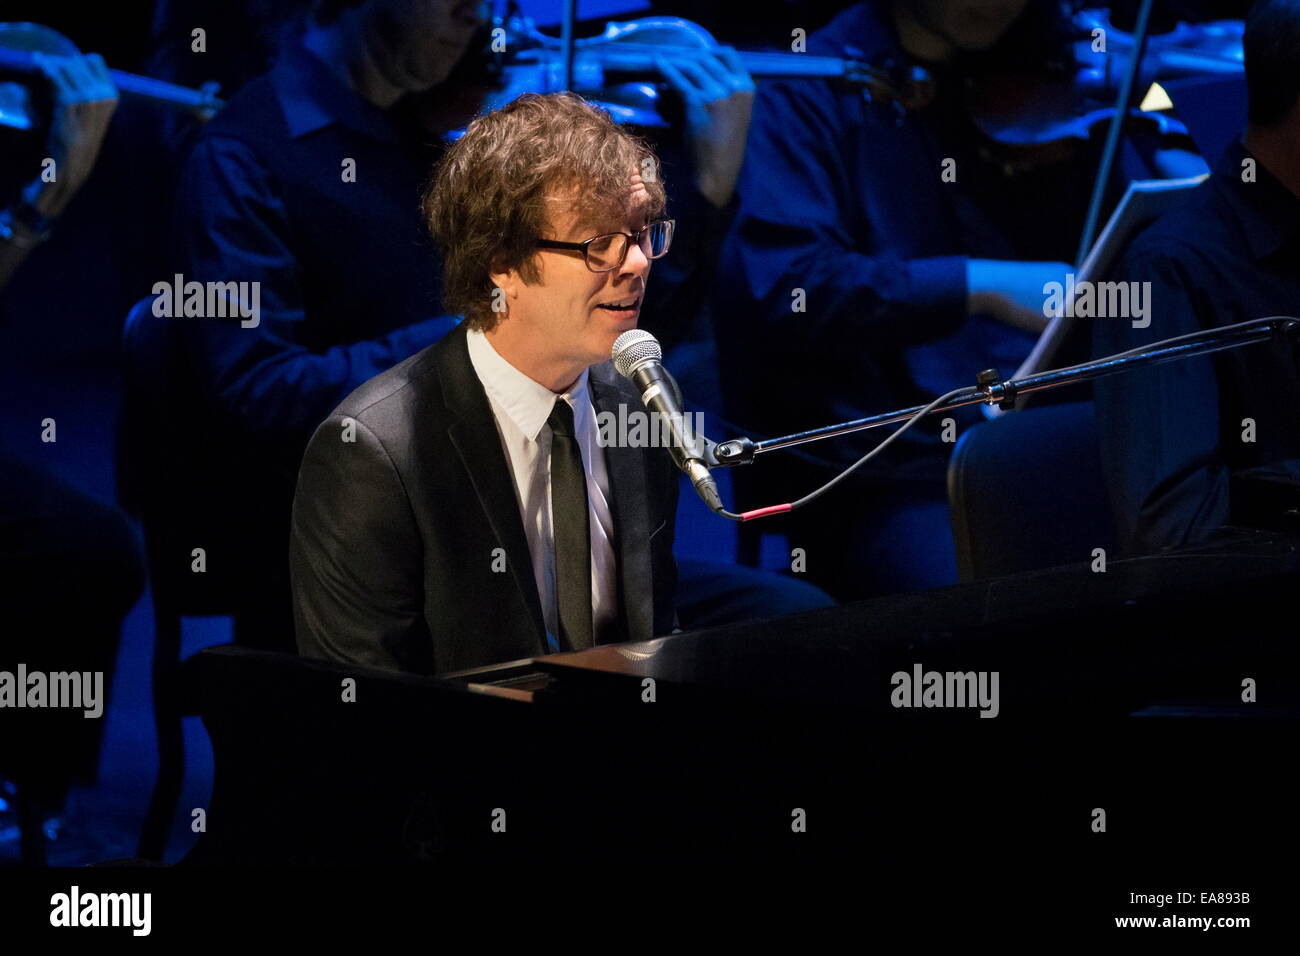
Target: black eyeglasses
[[605, 253]]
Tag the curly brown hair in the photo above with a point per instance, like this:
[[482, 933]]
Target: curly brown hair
[[488, 201]]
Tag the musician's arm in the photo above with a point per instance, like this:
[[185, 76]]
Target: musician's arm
[[793, 256], [699, 171], [718, 94], [355, 555]]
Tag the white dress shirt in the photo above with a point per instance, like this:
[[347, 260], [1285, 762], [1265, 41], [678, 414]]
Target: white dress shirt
[[521, 407]]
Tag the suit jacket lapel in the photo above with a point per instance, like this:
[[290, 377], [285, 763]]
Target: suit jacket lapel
[[627, 481], [474, 433]]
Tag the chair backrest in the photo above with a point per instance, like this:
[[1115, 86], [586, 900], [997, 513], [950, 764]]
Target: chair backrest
[[1026, 491]]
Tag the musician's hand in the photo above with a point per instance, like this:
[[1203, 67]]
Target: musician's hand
[[719, 97], [84, 101], [1012, 292]]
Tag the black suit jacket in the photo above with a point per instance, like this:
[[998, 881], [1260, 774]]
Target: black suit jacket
[[393, 546]]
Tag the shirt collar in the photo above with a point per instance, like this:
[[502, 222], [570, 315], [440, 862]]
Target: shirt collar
[[527, 403], [1267, 212], [313, 97]]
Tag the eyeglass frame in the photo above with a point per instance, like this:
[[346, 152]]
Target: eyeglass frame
[[631, 237]]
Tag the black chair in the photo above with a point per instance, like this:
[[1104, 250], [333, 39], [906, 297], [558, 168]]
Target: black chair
[[1026, 491]]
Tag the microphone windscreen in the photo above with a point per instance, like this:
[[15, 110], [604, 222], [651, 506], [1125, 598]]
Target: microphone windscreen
[[632, 349]]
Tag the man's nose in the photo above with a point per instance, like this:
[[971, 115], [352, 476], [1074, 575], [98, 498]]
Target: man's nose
[[636, 262]]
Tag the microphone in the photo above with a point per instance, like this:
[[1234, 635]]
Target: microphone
[[637, 356]]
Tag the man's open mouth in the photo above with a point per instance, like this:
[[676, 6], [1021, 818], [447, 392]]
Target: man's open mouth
[[625, 305]]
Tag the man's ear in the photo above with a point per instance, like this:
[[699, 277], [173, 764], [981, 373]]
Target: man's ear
[[507, 280]]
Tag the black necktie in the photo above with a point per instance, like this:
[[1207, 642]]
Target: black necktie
[[570, 530]]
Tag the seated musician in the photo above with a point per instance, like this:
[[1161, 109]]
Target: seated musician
[[1175, 436], [868, 279], [458, 509], [308, 184], [70, 565]]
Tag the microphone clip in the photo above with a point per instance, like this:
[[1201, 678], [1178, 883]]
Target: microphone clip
[[995, 391]]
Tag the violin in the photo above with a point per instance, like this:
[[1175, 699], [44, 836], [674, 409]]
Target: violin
[[18, 43], [617, 68], [1034, 121], [1026, 124]]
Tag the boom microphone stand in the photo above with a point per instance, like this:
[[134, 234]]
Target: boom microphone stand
[[991, 390]]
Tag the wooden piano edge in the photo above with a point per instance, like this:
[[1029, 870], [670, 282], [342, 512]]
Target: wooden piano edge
[[511, 680]]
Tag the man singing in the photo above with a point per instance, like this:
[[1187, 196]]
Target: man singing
[[458, 510]]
